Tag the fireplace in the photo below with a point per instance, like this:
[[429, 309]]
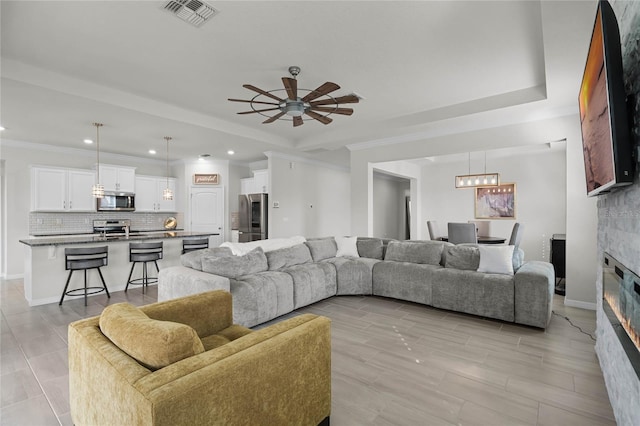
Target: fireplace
[[621, 305]]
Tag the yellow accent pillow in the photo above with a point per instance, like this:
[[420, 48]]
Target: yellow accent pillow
[[153, 343]]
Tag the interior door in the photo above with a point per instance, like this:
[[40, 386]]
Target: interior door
[[207, 212]]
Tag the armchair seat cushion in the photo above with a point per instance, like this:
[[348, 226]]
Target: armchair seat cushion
[[153, 343], [225, 336]]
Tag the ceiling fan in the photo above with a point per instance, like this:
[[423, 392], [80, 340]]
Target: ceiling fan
[[317, 104]]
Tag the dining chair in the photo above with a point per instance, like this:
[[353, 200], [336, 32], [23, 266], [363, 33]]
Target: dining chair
[[516, 234], [462, 233], [434, 230]]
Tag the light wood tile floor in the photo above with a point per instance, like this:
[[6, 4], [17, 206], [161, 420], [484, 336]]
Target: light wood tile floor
[[393, 362]]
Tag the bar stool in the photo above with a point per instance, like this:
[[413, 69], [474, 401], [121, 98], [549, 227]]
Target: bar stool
[[191, 244], [144, 253], [82, 259]]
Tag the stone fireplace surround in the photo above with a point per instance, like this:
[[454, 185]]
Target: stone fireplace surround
[[619, 232]]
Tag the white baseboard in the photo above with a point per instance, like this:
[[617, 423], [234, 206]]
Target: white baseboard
[[12, 277], [580, 304]]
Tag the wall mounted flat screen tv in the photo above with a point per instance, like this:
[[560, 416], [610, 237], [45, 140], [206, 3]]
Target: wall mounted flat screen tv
[[606, 141]]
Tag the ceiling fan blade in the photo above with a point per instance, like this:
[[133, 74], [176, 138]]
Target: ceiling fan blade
[[348, 99], [343, 111], [297, 121], [258, 110], [252, 102], [272, 119], [262, 92], [291, 85], [319, 117], [326, 88]]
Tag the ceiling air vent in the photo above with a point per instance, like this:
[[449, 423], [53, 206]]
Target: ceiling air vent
[[194, 12]]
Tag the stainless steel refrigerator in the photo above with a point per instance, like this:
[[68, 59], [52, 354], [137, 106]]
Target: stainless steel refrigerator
[[253, 217]]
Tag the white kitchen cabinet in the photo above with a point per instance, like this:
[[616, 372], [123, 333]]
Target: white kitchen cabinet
[[261, 181], [149, 191], [79, 184], [57, 189], [257, 184], [118, 178], [246, 186]]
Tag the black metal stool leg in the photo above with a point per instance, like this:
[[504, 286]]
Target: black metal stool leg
[[64, 292], [156, 263], [85, 287], [145, 276], [129, 279], [103, 283]]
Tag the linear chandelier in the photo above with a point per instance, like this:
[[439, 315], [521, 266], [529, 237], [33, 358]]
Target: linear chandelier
[[478, 180]]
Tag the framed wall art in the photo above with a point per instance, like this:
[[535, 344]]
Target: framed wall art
[[498, 202]]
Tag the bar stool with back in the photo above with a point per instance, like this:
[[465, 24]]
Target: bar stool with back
[[144, 253], [82, 259], [191, 244]]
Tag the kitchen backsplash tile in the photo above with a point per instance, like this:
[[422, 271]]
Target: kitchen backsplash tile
[[41, 223]]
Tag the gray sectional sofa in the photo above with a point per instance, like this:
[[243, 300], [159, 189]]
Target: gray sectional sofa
[[266, 285]]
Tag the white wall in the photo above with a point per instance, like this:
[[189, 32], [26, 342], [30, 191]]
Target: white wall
[[389, 206], [314, 198], [582, 225], [540, 178]]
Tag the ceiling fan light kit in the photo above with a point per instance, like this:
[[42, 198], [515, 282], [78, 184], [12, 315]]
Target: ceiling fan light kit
[[294, 107]]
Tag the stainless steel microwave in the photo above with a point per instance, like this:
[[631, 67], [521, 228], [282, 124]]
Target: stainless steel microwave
[[117, 201]]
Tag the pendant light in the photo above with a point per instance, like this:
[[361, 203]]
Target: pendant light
[[167, 194], [97, 190], [480, 180]]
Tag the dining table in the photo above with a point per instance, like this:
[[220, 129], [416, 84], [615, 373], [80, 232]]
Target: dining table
[[484, 239]]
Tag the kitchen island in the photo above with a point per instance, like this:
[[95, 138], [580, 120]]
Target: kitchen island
[[45, 275]]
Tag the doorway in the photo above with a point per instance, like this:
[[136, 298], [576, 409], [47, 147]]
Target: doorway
[[207, 212]]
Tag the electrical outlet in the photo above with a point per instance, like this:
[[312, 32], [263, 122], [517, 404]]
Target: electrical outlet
[[58, 221], [276, 204], [40, 221]]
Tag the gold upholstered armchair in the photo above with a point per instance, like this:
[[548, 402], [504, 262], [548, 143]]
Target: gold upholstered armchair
[[183, 362]]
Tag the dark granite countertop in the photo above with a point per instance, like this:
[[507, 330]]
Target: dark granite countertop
[[94, 238]]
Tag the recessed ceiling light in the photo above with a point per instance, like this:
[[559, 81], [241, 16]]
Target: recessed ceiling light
[[88, 141], [152, 151], [230, 152], [1, 128]]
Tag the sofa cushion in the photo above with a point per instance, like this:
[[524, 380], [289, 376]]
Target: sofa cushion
[[193, 259], [462, 257], [285, 257], [347, 247], [153, 343], [422, 252], [496, 259], [322, 248], [370, 247], [236, 266]]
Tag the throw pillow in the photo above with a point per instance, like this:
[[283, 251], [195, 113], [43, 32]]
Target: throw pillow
[[193, 259], [322, 248], [496, 259], [236, 266], [370, 247], [153, 343], [465, 258], [347, 247]]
